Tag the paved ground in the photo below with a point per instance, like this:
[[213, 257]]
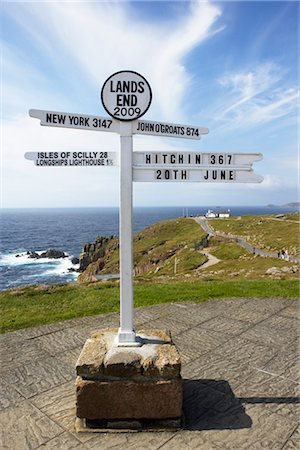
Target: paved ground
[[240, 371]]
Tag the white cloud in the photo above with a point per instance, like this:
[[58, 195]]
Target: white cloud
[[97, 39], [254, 97]]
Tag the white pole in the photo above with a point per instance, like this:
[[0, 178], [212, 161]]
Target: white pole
[[126, 336]]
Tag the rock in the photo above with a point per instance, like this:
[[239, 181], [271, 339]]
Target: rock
[[122, 364], [286, 269], [17, 256], [100, 360], [273, 271], [127, 399], [33, 255], [90, 362], [53, 254], [75, 260], [94, 252]]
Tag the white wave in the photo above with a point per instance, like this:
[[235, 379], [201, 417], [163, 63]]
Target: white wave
[[53, 267]]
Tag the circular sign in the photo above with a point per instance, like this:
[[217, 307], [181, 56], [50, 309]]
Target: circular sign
[[126, 95]]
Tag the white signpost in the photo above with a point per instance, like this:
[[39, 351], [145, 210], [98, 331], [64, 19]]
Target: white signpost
[[126, 96]]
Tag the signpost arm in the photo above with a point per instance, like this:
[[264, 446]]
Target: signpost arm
[[126, 335]]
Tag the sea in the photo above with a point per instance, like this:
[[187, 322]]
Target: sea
[[68, 229]]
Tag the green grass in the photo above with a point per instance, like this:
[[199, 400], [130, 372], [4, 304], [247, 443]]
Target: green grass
[[32, 306], [263, 232], [226, 250], [155, 246]]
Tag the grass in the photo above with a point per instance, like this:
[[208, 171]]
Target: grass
[[263, 231], [226, 250], [155, 247], [34, 306]]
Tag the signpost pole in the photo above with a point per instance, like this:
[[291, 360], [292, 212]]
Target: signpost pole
[[126, 335]]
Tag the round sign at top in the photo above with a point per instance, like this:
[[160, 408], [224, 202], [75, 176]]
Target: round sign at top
[[126, 95]]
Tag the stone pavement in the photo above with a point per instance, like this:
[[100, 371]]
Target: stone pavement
[[240, 370]]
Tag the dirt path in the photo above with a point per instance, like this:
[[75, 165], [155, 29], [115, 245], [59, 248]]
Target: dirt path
[[211, 259], [202, 221]]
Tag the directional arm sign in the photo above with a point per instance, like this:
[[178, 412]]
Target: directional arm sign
[[211, 175], [73, 158], [168, 129], [197, 159], [78, 121]]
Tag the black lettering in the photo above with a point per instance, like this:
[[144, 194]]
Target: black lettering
[[183, 174], [141, 86], [126, 100], [119, 87], [205, 176], [120, 100], [148, 159], [172, 159], [126, 86], [133, 100], [198, 159], [112, 87], [133, 86]]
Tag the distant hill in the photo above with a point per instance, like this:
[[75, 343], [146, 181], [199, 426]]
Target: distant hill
[[292, 205], [287, 205]]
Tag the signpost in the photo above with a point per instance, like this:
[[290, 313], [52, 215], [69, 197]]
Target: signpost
[[126, 96]]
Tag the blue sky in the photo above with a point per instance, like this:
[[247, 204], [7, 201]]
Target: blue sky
[[228, 66]]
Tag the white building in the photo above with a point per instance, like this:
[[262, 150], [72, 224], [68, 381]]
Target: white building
[[217, 214], [224, 214], [211, 214]]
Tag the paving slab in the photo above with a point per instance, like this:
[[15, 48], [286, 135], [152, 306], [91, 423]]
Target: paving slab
[[26, 427], [63, 441], [240, 378]]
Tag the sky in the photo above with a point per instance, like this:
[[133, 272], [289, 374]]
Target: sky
[[232, 67]]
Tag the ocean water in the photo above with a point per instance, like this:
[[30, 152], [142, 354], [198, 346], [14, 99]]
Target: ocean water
[[69, 229]]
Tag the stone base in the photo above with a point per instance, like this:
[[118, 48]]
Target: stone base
[[127, 399], [116, 383], [126, 426]]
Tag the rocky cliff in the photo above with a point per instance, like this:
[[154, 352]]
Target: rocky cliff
[[164, 248]]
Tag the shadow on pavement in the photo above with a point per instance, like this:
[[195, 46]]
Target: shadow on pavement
[[212, 405]]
